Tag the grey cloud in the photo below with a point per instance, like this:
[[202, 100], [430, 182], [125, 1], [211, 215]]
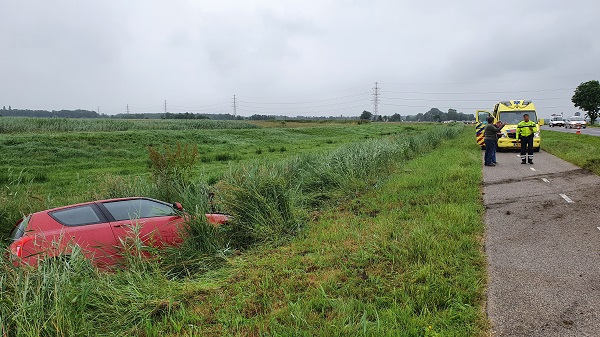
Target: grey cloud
[[65, 54]]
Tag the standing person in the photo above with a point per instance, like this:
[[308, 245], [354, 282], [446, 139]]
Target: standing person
[[490, 139], [525, 131], [499, 125]]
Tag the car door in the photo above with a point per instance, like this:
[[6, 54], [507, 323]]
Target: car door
[[156, 223], [480, 123], [87, 227]]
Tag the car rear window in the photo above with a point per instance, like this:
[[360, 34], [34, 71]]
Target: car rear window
[[137, 209], [77, 216], [19, 229]]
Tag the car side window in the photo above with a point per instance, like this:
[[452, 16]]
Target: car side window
[[77, 216], [137, 209]]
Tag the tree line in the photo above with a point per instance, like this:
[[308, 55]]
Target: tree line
[[433, 115]]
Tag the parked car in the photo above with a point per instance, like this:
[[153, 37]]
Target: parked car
[[99, 228], [575, 122], [556, 121]]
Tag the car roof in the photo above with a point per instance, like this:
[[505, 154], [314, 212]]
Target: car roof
[[93, 202]]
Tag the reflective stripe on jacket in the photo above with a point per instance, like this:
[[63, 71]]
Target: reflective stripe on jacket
[[525, 129]]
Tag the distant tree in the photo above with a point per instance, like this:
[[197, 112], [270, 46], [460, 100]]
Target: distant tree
[[366, 115], [587, 98], [379, 118], [433, 115], [261, 117], [9, 108], [395, 118], [452, 115], [4, 107]]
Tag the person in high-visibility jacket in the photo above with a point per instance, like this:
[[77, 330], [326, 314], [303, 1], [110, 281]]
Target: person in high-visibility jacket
[[525, 131]]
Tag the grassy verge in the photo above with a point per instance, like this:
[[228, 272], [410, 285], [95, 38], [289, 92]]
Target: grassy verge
[[396, 252], [404, 259], [581, 150], [50, 168]]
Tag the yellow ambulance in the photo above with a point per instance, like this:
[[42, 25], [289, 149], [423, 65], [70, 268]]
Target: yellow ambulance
[[511, 112]]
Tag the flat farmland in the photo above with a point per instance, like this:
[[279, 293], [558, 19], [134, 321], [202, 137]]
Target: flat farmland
[[66, 162], [369, 229]]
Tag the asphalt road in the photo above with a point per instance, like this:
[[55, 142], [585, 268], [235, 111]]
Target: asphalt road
[[595, 131], [543, 247]]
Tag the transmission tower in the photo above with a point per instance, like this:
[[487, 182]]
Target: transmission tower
[[234, 106], [375, 101], [128, 109], [165, 106]]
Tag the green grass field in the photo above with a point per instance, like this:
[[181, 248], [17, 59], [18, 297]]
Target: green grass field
[[341, 230], [44, 166], [581, 150], [402, 259], [371, 229]]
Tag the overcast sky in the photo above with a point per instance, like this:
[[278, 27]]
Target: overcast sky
[[312, 58]]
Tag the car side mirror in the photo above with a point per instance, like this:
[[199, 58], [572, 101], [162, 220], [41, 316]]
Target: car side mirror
[[178, 206]]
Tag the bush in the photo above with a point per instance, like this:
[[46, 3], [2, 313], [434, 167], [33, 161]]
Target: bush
[[264, 200], [260, 201], [171, 169]]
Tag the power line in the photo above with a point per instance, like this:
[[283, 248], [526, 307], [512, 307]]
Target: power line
[[473, 93], [355, 107], [464, 100], [308, 102], [255, 105]]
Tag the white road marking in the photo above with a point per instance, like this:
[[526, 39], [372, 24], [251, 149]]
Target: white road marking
[[531, 168], [598, 228], [545, 180], [518, 156], [567, 199]]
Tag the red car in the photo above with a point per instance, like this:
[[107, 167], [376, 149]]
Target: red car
[[98, 227]]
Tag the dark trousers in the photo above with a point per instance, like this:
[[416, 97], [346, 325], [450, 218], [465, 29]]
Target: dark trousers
[[490, 151], [526, 148]]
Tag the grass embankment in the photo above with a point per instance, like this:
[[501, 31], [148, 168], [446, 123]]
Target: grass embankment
[[49, 167], [396, 252], [581, 150], [404, 259]]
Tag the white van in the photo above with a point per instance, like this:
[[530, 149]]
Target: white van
[[556, 121]]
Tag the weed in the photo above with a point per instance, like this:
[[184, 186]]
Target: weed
[[171, 169]]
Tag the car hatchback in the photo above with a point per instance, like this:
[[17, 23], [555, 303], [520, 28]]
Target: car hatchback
[[98, 227]]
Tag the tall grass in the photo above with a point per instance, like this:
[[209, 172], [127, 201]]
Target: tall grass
[[266, 200], [404, 259], [269, 203], [17, 197], [49, 301], [171, 169], [31, 124]]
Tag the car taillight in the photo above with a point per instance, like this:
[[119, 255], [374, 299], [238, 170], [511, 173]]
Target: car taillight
[[217, 219], [17, 247]]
